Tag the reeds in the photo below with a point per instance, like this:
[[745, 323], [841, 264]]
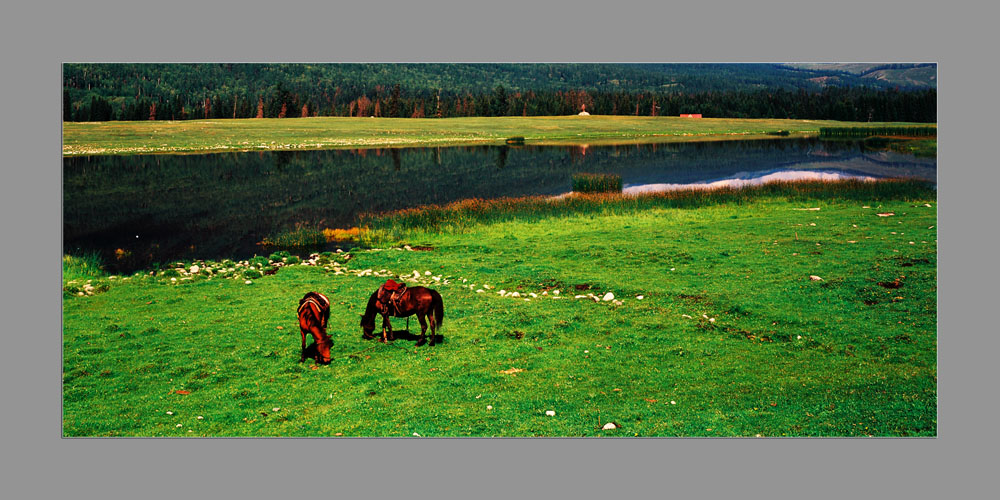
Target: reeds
[[461, 214], [597, 183]]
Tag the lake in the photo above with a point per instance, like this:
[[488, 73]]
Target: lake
[[140, 210]]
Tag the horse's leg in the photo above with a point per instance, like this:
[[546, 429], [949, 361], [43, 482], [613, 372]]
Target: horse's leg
[[433, 322], [423, 328], [385, 323], [302, 356]]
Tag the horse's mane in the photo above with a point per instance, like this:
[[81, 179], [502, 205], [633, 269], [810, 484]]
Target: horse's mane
[[371, 309]]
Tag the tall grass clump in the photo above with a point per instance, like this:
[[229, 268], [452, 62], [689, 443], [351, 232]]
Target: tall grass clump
[[911, 131], [597, 183], [301, 236], [459, 215], [84, 266]]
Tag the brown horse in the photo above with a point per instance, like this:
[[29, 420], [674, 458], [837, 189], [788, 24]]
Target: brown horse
[[424, 302], [314, 312]]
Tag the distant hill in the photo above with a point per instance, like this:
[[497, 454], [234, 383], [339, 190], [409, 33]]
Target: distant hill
[[917, 75]]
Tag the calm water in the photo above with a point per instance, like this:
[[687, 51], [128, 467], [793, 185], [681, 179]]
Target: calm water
[[165, 207]]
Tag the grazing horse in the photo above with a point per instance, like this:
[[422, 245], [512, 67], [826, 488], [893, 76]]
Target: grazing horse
[[314, 312], [424, 302]]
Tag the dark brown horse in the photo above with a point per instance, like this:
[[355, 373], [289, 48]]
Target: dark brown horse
[[424, 302], [314, 312]]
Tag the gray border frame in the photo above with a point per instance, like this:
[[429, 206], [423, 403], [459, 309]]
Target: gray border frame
[[38, 37]]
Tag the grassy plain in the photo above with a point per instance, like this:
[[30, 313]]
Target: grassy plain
[[203, 136], [732, 336]]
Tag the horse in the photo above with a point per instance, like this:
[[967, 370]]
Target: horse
[[314, 312], [424, 302]]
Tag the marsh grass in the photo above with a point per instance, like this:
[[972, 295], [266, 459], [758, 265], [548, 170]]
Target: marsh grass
[[596, 183], [466, 213], [272, 134]]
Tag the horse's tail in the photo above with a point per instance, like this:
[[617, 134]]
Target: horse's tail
[[438, 306]]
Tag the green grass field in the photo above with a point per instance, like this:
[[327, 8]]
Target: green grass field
[[202, 136], [732, 336]]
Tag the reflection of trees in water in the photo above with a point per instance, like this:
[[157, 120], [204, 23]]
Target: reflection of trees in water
[[220, 205]]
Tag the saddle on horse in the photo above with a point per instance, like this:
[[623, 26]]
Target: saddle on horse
[[395, 291]]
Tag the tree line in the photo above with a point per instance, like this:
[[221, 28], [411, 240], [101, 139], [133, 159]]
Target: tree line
[[185, 92]]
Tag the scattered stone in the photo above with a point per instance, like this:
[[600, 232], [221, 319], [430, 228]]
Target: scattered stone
[[609, 426], [609, 297], [555, 292], [480, 290], [886, 214], [275, 409], [489, 407], [815, 278], [247, 282], [194, 269], [170, 413], [415, 434], [711, 320], [673, 402], [639, 297], [686, 316], [550, 413], [201, 417], [515, 294]]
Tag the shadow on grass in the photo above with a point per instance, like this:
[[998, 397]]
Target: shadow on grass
[[406, 335]]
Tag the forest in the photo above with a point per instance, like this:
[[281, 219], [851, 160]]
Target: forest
[[106, 91]]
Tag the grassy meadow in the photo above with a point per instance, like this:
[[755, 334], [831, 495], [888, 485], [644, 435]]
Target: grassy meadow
[[203, 136], [804, 309]]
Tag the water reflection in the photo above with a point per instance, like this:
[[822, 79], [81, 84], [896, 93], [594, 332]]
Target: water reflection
[[159, 208]]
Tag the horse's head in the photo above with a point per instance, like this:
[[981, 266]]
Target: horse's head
[[368, 325], [323, 350]]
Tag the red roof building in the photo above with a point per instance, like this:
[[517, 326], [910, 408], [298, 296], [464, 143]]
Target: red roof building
[[691, 115]]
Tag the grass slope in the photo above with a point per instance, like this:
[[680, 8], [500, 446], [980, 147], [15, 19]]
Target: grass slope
[[98, 138], [785, 355]]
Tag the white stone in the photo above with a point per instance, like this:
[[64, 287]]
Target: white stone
[[275, 409], [639, 297], [194, 269], [427, 273], [515, 294], [609, 426], [673, 402], [480, 290], [489, 407], [815, 278], [609, 296], [247, 282], [551, 413], [555, 292]]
